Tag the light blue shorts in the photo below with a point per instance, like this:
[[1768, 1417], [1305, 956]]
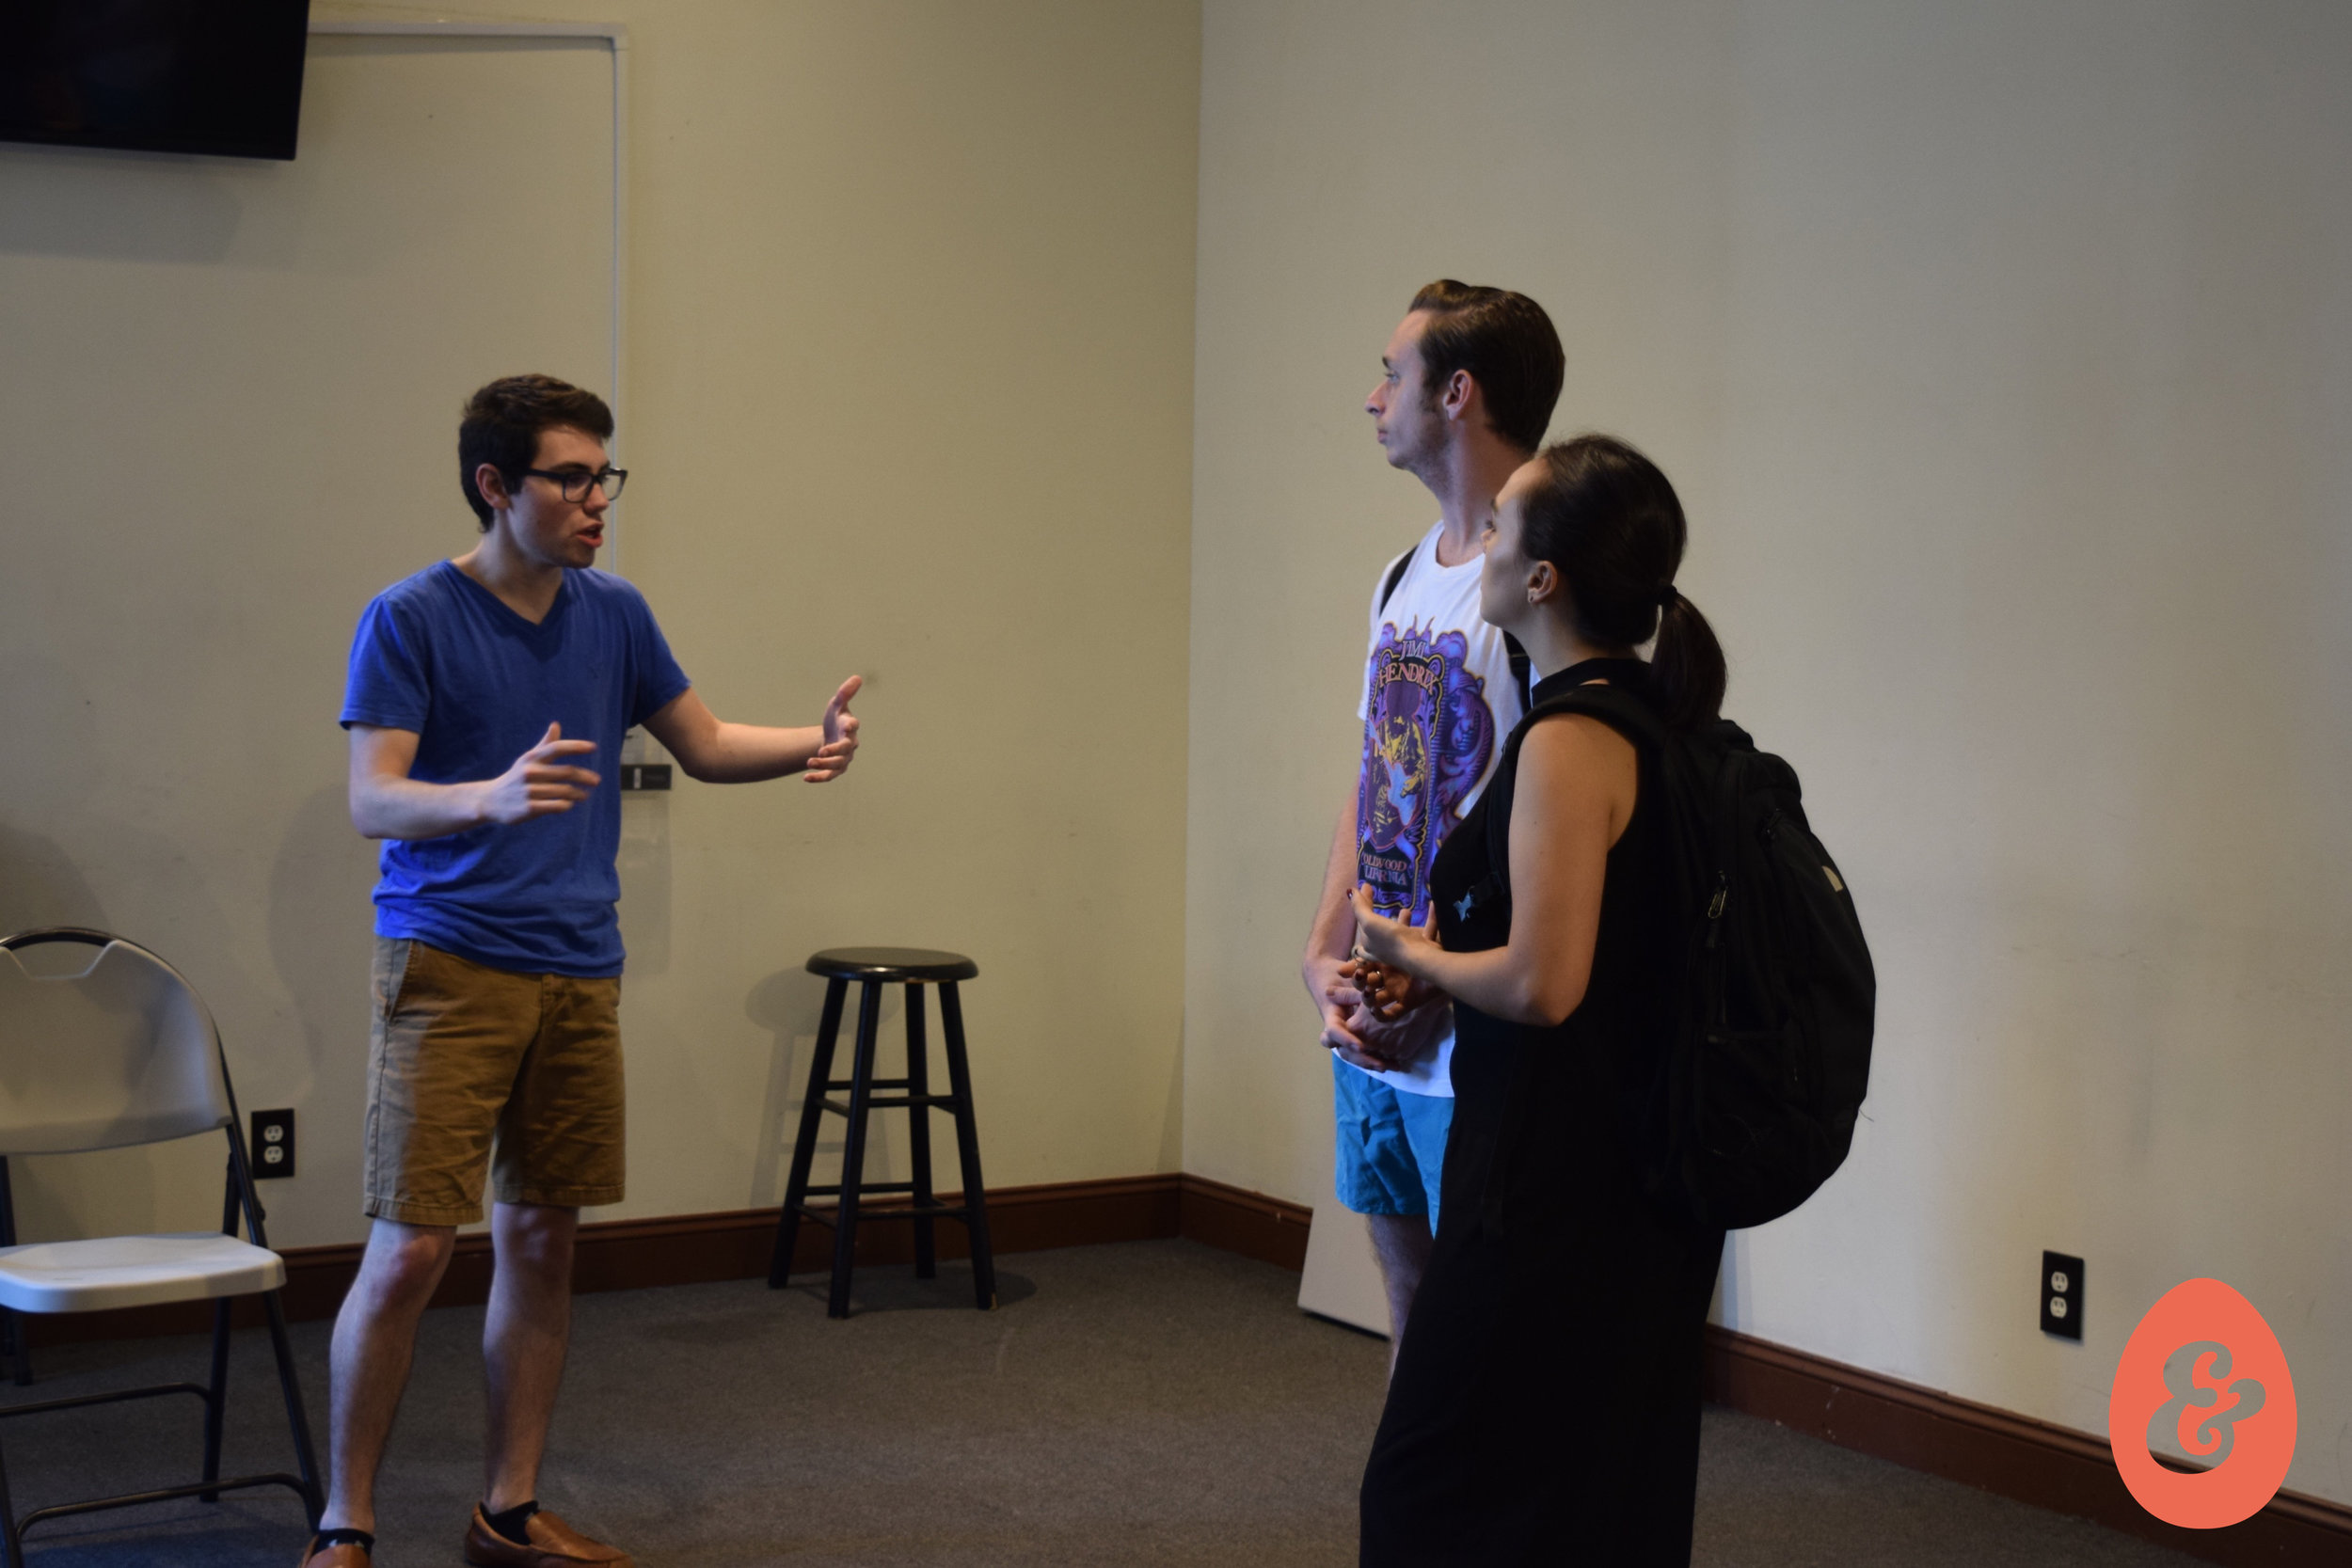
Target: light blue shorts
[[1391, 1145]]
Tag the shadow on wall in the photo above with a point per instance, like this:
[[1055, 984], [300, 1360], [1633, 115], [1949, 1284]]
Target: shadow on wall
[[322, 945], [50, 773], [40, 886], [131, 206], [643, 864], [790, 1005]]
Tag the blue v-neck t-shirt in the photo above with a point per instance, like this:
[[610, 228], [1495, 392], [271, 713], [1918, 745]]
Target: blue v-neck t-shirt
[[443, 657]]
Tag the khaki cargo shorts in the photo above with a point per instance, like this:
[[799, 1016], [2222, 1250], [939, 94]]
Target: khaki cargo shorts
[[461, 1056]]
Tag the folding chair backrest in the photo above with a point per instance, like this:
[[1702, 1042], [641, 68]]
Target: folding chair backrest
[[123, 1052]]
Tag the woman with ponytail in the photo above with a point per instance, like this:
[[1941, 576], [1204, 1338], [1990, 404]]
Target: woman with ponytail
[[1544, 1406]]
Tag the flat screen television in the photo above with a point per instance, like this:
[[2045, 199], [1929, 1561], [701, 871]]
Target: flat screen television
[[216, 76]]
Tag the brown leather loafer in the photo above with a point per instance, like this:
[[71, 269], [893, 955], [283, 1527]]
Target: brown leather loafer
[[553, 1544], [342, 1554]]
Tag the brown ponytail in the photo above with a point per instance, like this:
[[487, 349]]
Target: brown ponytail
[[1687, 665], [1613, 525]]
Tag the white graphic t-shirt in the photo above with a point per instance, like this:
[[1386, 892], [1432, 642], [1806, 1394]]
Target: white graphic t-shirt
[[1439, 700]]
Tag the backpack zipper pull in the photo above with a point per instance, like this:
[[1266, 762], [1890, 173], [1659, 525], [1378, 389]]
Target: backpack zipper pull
[[1722, 892]]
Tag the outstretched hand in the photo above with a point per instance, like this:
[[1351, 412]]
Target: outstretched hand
[[539, 784], [831, 759]]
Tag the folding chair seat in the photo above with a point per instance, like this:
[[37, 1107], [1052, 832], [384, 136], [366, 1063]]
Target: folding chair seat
[[121, 1054]]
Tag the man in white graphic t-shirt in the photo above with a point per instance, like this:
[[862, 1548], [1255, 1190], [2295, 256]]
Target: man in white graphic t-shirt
[[1466, 388]]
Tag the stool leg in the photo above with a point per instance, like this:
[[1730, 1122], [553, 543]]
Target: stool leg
[[919, 1129], [968, 1147], [804, 1148], [854, 1149]]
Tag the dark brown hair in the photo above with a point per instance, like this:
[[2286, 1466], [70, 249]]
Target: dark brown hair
[[503, 423], [1606, 518], [1507, 344]]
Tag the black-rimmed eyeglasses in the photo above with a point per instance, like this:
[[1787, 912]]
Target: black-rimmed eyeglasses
[[573, 482]]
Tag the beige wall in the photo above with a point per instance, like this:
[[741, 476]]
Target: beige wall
[[910, 307], [2003, 355], [911, 324]]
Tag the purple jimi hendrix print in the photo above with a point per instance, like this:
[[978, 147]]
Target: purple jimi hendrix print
[[1428, 735]]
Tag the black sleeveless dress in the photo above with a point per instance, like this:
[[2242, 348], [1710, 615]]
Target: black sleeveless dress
[[1546, 1403]]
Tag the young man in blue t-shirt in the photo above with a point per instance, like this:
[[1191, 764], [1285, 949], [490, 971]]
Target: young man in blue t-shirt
[[486, 703]]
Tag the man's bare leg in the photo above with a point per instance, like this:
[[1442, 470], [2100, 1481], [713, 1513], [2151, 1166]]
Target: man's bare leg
[[523, 1341], [1402, 1243], [376, 1337]]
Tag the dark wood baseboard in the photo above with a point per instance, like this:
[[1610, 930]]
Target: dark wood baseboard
[[2033, 1462], [2050, 1466], [685, 1249], [1266, 1229]]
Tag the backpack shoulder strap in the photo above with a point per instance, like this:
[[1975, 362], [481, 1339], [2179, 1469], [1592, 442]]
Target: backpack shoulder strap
[[1615, 706], [1522, 670], [1396, 575]]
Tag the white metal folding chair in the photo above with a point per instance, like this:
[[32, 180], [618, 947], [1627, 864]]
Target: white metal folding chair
[[124, 1053]]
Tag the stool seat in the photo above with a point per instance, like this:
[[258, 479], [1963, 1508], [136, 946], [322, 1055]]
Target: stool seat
[[892, 964]]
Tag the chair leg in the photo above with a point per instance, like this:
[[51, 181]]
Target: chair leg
[[919, 1134], [968, 1147], [217, 1397], [853, 1146], [11, 1544], [12, 1335], [216, 1391], [306, 1456], [804, 1147]]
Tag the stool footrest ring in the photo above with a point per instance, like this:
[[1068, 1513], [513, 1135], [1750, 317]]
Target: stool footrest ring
[[895, 1102], [830, 1214]]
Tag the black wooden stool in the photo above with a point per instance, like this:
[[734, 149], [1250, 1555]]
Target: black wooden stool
[[873, 968]]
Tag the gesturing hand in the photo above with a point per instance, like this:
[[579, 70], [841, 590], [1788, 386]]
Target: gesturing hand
[[1390, 944], [539, 784], [831, 759]]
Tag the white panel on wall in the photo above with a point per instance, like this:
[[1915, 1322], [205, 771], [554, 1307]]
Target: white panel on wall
[[228, 417]]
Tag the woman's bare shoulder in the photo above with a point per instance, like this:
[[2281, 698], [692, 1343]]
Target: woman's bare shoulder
[[1575, 762]]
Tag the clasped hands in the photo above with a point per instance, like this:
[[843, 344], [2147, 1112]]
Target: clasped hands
[[1378, 1014]]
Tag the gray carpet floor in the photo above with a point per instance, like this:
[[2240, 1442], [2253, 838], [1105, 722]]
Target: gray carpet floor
[[1151, 1402]]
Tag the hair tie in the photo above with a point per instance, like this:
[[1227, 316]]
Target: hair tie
[[1667, 595]]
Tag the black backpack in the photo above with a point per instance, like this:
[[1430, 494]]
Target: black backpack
[[1768, 1057]]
